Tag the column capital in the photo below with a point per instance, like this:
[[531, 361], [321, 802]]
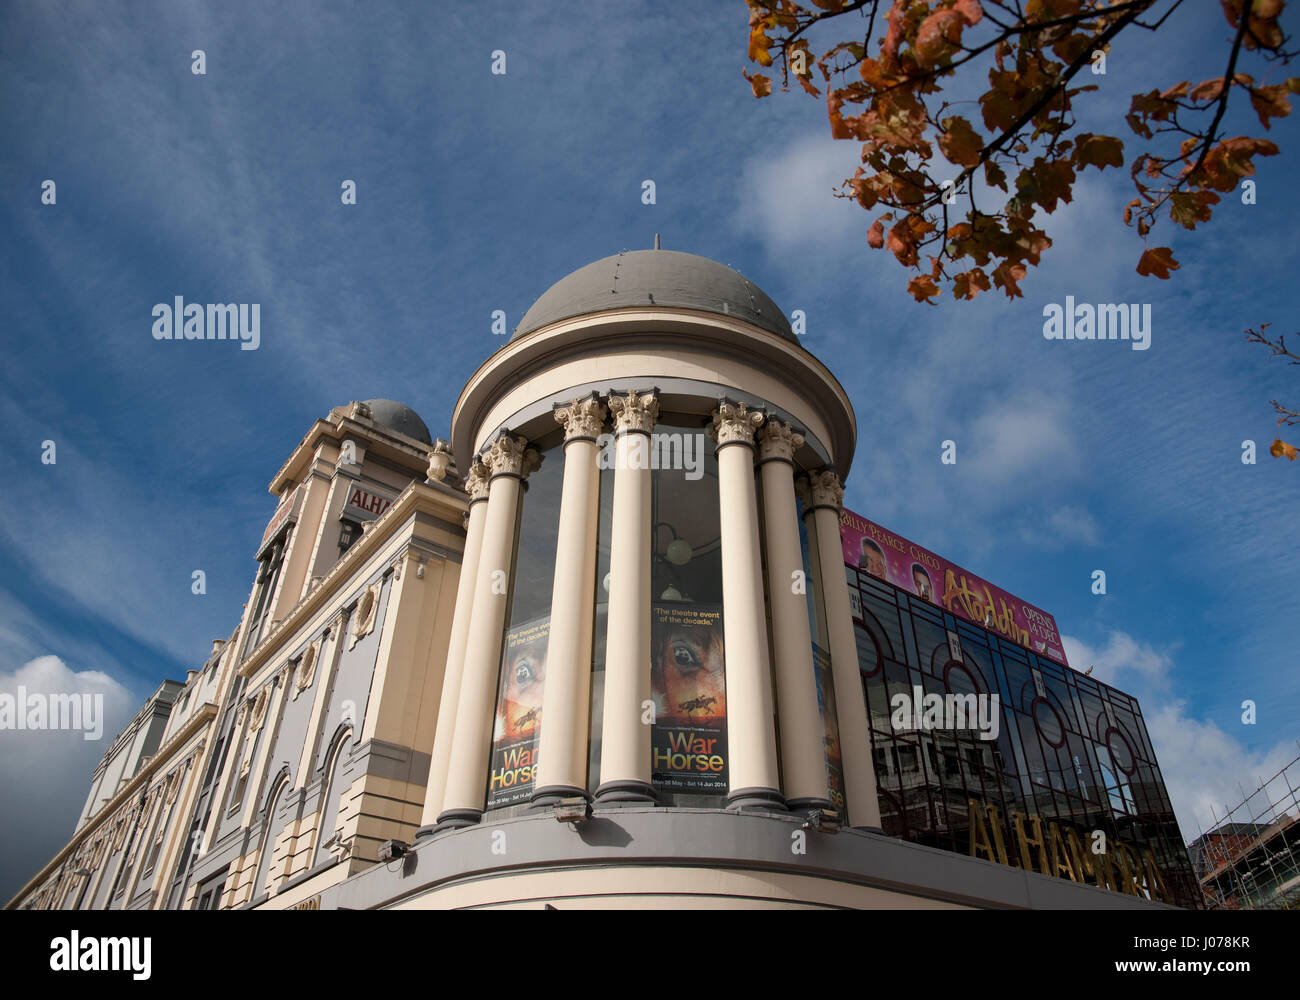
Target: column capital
[[476, 481], [581, 418], [827, 491], [634, 411], [735, 423], [509, 455], [778, 441]]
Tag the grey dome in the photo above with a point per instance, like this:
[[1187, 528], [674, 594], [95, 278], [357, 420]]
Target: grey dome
[[638, 278], [400, 418]]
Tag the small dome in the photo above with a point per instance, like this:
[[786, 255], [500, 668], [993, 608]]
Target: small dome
[[669, 278], [400, 418]]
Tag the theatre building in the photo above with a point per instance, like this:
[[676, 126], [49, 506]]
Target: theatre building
[[615, 642]]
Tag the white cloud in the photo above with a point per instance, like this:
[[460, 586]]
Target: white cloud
[[45, 775], [1207, 771], [1121, 654], [787, 200], [1018, 437]]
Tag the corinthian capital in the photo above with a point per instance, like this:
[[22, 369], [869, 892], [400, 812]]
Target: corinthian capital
[[510, 455], [476, 481], [778, 440], [827, 491], [635, 411], [735, 422], [582, 418]]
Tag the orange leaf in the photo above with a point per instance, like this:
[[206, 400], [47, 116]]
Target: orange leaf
[[1158, 261], [1280, 448], [923, 288], [1100, 151], [959, 142], [876, 235], [761, 85]]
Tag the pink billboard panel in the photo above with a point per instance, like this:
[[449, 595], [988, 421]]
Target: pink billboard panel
[[887, 556]]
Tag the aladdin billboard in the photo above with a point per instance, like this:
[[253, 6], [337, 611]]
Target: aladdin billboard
[[919, 571]]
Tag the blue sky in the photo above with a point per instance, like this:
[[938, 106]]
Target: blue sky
[[475, 193]]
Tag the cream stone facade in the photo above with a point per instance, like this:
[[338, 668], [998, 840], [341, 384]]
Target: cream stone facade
[[563, 658]]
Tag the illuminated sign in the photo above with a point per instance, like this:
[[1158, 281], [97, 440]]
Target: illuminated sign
[[1046, 849], [906, 565]]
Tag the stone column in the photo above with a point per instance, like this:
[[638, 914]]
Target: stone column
[[850, 704], [625, 739], [751, 734], [508, 461], [476, 485], [803, 755], [566, 700]]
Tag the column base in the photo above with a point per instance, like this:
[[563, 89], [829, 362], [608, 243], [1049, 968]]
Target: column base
[[548, 795], [456, 819], [810, 804], [627, 792], [761, 799]]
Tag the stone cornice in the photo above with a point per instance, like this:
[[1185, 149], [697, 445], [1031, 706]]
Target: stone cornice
[[303, 454], [669, 331]]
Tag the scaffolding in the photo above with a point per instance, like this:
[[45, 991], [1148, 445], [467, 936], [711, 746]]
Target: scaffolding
[[1250, 859]]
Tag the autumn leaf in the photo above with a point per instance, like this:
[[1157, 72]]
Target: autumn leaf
[[1158, 261], [969, 284], [923, 288], [959, 142], [1187, 208], [1100, 151], [762, 85], [876, 235], [1280, 448]]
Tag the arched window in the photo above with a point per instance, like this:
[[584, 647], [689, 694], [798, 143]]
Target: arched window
[[326, 834], [269, 831]]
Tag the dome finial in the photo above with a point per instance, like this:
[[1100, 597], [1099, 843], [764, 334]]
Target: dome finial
[[656, 241]]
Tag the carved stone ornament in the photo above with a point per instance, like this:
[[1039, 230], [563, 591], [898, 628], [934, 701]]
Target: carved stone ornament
[[439, 460], [476, 482], [634, 411], [778, 440], [259, 710], [582, 418], [735, 422], [119, 833], [307, 668], [509, 455], [827, 491], [367, 612], [173, 786]]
